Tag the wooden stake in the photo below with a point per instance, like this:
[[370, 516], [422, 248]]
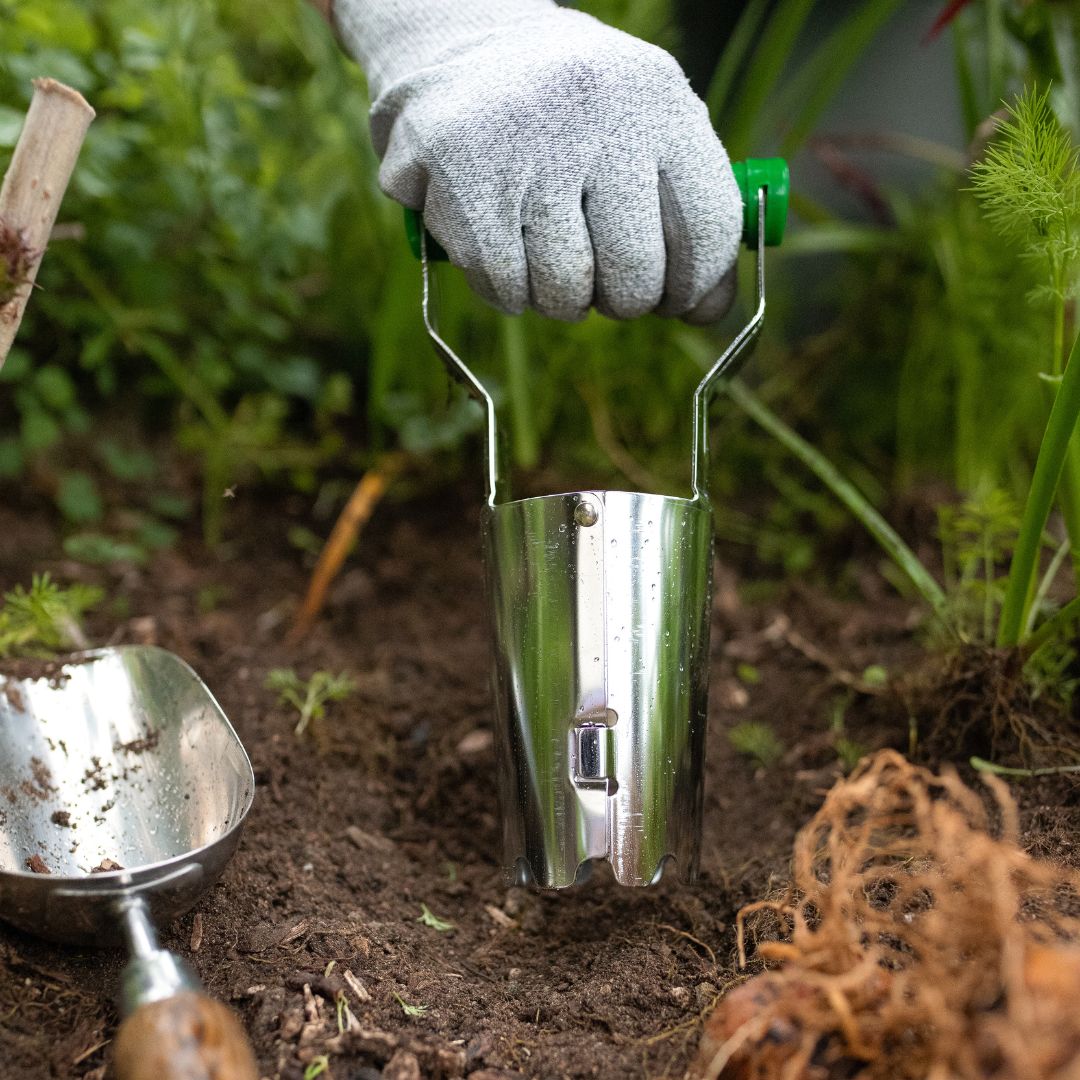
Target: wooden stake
[[35, 183]]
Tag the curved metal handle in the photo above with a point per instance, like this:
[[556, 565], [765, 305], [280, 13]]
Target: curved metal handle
[[728, 363], [462, 373]]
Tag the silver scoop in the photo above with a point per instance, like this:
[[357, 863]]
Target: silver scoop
[[123, 789], [600, 605]]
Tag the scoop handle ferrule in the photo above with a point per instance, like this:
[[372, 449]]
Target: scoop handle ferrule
[[172, 1030]]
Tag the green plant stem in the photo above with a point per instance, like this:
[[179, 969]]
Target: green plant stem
[[1045, 585], [526, 442], [1044, 483], [1053, 626], [734, 56], [771, 54], [845, 492], [1005, 770], [1069, 487]]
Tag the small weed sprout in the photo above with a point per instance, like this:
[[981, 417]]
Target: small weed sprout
[[309, 698], [429, 918], [316, 1067], [850, 751], [977, 538], [756, 741], [44, 620], [748, 675], [345, 1019], [410, 1010]]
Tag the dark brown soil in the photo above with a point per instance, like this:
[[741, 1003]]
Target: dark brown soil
[[390, 806]]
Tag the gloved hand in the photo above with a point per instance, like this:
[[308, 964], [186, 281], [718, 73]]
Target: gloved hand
[[561, 163]]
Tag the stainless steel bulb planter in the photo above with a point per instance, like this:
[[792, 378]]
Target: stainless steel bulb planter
[[600, 605]]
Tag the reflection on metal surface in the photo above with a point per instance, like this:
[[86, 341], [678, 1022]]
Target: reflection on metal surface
[[123, 759], [601, 643], [600, 609]]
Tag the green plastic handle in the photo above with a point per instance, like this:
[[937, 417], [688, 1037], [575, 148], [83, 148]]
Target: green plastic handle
[[752, 175]]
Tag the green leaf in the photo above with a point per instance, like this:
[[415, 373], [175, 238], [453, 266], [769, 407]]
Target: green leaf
[[99, 549], [756, 741], [54, 387], [127, 464], [38, 430], [79, 499]]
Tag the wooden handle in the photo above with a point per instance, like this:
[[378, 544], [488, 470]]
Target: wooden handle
[[185, 1037]]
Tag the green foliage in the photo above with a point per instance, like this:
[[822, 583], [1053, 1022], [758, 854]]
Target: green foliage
[[44, 620], [757, 741], [849, 751], [1029, 187], [977, 540], [309, 698]]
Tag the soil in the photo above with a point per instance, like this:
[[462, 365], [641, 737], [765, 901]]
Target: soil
[[388, 808]]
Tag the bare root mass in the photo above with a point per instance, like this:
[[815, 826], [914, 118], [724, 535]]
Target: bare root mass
[[978, 700], [917, 940]]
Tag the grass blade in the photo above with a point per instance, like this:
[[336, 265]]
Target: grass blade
[[770, 59], [845, 492], [733, 59], [1055, 625], [799, 105]]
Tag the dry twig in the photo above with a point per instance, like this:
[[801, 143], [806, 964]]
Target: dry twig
[[357, 512]]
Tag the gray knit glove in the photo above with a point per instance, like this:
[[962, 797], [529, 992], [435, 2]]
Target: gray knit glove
[[561, 163]]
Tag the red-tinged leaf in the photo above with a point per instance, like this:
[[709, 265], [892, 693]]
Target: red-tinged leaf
[[948, 13]]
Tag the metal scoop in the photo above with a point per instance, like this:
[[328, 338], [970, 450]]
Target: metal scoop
[[600, 604], [123, 789]]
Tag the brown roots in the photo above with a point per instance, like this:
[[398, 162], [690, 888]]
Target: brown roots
[[980, 701], [916, 942]]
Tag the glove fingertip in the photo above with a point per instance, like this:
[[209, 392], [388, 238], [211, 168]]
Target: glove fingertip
[[716, 303]]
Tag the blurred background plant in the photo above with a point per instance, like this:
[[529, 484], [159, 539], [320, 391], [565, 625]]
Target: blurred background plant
[[229, 302]]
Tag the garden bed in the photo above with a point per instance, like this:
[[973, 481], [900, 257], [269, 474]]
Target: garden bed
[[390, 804]]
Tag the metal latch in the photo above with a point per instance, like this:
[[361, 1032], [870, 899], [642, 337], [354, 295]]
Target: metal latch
[[594, 756]]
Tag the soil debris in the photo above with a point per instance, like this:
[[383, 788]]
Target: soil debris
[[148, 741], [36, 865], [41, 786], [106, 866], [14, 695], [916, 940], [16, 261], [61, 818], [94, 777]]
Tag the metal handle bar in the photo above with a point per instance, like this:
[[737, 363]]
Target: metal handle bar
[[727, 364]]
